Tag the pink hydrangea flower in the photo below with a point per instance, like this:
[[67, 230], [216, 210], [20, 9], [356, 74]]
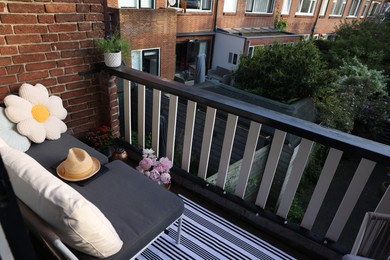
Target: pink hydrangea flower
[[154, 175], [146, 163], [165, 163], [165, 178]]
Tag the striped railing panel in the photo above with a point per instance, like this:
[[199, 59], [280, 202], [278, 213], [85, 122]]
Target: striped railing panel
[[326, 177], [350, 199], [247, 161], [127, 109], [227, 146], [188, 135], [141, 115], [156, 117], [295, 177], [206, 142]]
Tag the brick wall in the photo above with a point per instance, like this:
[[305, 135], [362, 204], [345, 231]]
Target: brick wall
[[50, 42], [148, 28]]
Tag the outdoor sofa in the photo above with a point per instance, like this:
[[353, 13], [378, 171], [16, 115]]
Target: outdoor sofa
[[138, 208]]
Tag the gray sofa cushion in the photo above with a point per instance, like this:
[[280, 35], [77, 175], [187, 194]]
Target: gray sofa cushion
[[137, 207], [51, 152]]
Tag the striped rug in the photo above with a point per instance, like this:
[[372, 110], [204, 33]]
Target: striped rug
[[208, 236]]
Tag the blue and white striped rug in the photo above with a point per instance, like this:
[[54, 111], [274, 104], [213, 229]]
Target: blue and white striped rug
[[208, 236]]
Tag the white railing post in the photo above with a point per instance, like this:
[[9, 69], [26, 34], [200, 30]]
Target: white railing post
[[206, 142], [127, 109]]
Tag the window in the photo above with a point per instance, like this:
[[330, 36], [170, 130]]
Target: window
[[136, 3], [374, 9], [233, 57], [204, 5], [230, 6], [286, 6], [355, 6], [260, 6], [365, 8], [324, 5], [338, 7], [306, 7], [146, 61]]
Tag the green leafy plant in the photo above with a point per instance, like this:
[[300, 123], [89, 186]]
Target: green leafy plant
[[113, 44], [281, 72], [280, 23]]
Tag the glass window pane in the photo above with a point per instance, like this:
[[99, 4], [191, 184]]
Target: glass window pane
[[206, 5], [146, 4], [323, 7], [286, 7], [230, 6], [136, 60], [127, 3], [249, 5]]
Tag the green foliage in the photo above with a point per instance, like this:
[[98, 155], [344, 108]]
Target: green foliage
[[368, 40], [281, 72], [296, 212], [356, 101], [113, 44], [280, 23]]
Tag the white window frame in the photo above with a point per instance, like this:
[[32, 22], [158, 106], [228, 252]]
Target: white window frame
[[141, 51], [138, 4], [324, 6], [286, 6], [354, 8], [338, 7], [365, 8], [374, 9], [257, 3], [312, 7], [189, 9], [230, 6]]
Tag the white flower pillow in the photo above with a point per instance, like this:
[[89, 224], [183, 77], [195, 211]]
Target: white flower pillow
[[37, 115], [9, 134]]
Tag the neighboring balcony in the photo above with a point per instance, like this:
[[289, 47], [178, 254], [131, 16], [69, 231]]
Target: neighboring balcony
[[251, 161]]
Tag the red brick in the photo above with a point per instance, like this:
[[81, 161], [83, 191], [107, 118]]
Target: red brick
[[83, 8], [4, 90], [47, 82], [77, 108], [22, 29], [50, 37], [31, 48], [82, 114], [97, 8], [85, 26], [60, 8], [2, 40], [87, 44], [46, 18], [40, 66], [66, 46], [8, 50], [18, 18], [4, 61], [63, 18], [70, 78], [69, 62], [93, 1], [3, 71], [74, 53], [8, 79], [56, 72], [98, 26], [62, 27], [16, 69], [2, 6], [33, 75], [53, 55], [76, 85], [25, 58], [58, 89], [5, 29], [73, 36], [73, 93], [95, 34], [94, 17], [76, 69], [25, 8], [21, 39]]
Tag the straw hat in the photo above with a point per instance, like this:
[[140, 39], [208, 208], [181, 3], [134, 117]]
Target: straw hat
[[78, 166]]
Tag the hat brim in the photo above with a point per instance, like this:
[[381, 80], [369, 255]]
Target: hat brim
[[95, 169]]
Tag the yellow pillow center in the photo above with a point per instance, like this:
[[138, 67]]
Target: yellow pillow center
[[40, 113]]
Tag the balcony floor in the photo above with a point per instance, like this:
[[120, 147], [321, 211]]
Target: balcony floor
[[256, 232]]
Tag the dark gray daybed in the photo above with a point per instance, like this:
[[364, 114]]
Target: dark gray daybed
[[139, 209]]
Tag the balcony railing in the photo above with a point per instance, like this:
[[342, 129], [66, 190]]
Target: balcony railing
[[172, 101]]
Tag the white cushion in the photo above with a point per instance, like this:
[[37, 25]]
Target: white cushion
[[10, 135], [78, 222]]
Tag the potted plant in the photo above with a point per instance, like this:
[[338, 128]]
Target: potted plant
[[113, 48]]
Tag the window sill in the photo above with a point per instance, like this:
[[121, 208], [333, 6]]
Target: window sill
[[229, 13], [258, 14], [303, 14]]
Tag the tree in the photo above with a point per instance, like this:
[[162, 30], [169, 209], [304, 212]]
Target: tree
[[281, 72]]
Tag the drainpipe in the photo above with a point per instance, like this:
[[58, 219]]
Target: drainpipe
[[315, 21], [215, 30]]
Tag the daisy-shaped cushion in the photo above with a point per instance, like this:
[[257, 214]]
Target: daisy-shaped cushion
[[10, 135], [37, 115]]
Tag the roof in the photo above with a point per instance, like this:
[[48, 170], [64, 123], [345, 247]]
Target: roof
[[254, 31]]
